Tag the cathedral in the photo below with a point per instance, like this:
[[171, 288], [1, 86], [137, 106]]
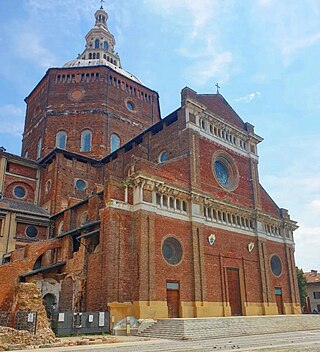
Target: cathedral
[[112, 207]]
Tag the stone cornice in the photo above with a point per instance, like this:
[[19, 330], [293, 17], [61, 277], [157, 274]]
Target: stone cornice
[[201, 110], [153, 184]]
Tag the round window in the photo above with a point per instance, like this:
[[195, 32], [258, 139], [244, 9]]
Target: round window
[[221, 171], [31, 231], [276, 265], [163, 157], [130, 106], [19, 192], [225, 171], [81, 185], [172, 250]]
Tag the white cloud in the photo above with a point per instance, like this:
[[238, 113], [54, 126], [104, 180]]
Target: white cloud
[[265, 2], [201, 11], [300, 193], [71, 9], [291, 25], [218, 67], [301, 43], [29, 47], [260, 77], [201, 24], [297, 188], [248, 98], [314, 207], [12, 119], [307, 241]]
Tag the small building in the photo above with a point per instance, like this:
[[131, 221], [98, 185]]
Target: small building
[[313, 291]]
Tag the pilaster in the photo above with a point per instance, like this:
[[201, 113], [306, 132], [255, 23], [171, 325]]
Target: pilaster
[[3, 165]]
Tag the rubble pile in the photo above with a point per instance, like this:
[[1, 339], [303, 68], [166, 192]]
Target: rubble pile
[[9, 336], [28, 298]]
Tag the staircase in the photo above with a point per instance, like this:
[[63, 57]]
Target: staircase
[[212, 328]]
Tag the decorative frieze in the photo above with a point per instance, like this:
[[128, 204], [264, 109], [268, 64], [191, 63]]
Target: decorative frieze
[[200, 206]]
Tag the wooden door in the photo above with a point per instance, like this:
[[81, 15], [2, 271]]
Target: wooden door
[[173, 300], [234, 291], [279, 300]]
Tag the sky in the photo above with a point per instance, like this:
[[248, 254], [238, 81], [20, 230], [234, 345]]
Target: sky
[[265, 54]]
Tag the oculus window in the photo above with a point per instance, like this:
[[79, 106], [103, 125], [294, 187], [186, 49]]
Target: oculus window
[[81, 185], [19, 192], [221, 171], [225, 171], [276, 265], [172, 250], [31, 231], [130, 106]]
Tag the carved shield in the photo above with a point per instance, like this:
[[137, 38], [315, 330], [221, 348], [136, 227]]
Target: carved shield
[[211, 239], [250, 246]]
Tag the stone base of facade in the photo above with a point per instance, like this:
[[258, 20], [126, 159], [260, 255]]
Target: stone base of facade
[[159, 309], [292, 308]]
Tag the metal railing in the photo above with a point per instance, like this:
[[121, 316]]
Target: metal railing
[[21, 320]]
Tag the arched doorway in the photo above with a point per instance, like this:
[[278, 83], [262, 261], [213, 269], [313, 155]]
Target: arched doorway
[[50, 302]]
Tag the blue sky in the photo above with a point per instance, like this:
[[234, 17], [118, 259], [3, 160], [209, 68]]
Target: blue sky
[[264, 53]]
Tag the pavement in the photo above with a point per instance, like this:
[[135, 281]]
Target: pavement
[[302, 341]]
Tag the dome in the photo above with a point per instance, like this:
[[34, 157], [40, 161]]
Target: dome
[[99, 62]]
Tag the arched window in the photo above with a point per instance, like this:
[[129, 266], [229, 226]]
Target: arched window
[[105, 46], [60, 228], [84, 218], [61, 140], [163, 157], [115, 142], [39, 148], [97, 44], [86, 139]]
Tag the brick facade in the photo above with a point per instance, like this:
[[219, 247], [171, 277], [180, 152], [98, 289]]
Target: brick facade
[[105, 218]]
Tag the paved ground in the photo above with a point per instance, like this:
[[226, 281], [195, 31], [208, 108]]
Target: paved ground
[[304, 341]]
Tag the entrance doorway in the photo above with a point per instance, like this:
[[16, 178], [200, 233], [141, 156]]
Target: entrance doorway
[[279, 301], [173, 299], [234, 292]]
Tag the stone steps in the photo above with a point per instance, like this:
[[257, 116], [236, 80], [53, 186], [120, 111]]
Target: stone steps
[[211, 328]]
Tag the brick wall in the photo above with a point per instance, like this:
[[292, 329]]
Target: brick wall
[[95, 99]]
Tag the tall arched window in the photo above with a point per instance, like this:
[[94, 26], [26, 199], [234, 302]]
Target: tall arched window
[[39, 148], [86, 139], [105, 46], [61, 140], [114, 143], [97, 44]]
